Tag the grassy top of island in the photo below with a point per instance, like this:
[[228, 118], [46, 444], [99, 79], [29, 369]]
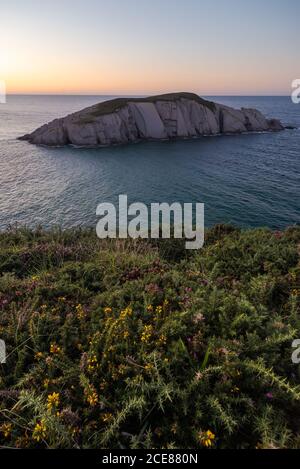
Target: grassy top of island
[[142, 344], [113, 105]]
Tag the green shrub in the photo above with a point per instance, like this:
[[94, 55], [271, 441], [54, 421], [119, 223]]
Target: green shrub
[[139, 344]]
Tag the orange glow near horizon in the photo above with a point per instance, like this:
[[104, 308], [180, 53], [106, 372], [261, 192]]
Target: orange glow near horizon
[[152, 47], [30, 73], [55, 78]]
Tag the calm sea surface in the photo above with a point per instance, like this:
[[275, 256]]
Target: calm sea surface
[[249, 180]]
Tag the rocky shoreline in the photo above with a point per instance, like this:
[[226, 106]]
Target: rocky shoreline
[[163, 117]]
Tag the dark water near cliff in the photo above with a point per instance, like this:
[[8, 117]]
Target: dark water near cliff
[[249, 180]]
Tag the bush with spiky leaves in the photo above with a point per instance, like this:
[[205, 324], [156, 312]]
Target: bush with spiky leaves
[[141, 344]]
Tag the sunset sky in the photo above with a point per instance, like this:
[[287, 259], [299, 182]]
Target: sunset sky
[[150, 46]]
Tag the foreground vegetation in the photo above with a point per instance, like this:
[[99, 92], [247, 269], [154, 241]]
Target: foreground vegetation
[[135, 344]]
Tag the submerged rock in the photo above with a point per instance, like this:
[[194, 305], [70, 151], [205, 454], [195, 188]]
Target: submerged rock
[[163, 117]]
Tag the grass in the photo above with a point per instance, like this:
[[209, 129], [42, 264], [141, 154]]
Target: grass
[[113, 105], [137, 344]]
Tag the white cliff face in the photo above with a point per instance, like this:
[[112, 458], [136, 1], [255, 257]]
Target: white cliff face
[[148, 121], [232, 120], [179, 115]]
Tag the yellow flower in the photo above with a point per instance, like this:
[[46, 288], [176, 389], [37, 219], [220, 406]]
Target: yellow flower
[[92, 398], [35, 278], [149, 367], [125, 334], [6, 429], [80, 313], [125, 313], [122, 370], [235, 389], [149, 308], [162, 340], [39, 355], [92, 363], [207, 438], [55, 349], [107, 417], [107, 310], [39, 431], [46, 383], [146, 334], [52, 400]]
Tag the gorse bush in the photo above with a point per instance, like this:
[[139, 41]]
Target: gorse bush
[[137, 344]]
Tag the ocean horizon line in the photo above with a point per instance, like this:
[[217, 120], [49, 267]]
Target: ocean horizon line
[[152, 94]]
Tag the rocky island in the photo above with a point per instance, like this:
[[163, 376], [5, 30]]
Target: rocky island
[[163, 117]]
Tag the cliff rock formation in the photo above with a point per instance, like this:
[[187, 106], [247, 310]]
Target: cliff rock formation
[[163, 117]]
